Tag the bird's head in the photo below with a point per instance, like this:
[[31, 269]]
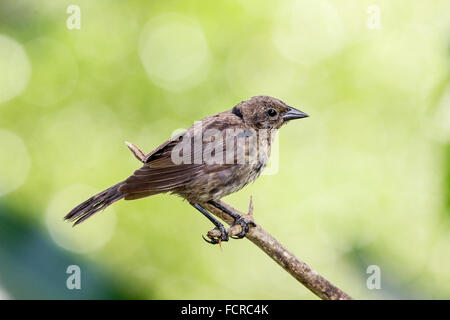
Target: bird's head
[[263, 112]]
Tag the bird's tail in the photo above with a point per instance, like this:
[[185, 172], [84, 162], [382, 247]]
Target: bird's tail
[[95, 203]]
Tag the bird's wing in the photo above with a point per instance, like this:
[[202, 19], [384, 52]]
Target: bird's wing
[[166, 146], [160, 174]]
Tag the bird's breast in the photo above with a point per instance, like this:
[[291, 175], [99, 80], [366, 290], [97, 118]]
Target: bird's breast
[[217, 181]]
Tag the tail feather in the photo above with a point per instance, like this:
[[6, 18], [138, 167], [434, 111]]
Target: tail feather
[[95, 203]]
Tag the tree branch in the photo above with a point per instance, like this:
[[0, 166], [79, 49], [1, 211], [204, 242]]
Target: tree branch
[[286, 259], [272, 247]]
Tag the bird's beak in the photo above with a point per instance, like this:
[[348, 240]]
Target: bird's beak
[[294, 114]]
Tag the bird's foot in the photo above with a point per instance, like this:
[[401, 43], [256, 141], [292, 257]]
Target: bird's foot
[[217, 240], [245, 226], [241, 224]]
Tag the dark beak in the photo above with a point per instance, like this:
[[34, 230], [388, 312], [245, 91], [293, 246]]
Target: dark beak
[[294, 114]]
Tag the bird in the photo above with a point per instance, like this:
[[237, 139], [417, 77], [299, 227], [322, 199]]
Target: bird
[[213, 158]]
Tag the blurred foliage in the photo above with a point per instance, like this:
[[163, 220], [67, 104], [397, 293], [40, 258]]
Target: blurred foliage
[[363, 181], [446, 186], [33, 267]]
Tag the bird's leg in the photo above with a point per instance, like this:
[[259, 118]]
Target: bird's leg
[[219, 226], [243, 222]]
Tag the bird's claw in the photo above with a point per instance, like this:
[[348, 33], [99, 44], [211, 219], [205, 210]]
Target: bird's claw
[[212, 241], [223, 236], [245, 225]]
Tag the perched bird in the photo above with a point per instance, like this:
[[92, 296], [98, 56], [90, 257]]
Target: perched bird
[[215, 157]]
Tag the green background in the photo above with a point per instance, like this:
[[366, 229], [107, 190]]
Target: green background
[[364, 181]]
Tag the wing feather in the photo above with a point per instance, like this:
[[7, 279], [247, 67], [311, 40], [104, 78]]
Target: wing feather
[[160, 174]]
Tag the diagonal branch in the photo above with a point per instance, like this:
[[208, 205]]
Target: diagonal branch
[[286, 259], [272, 247]]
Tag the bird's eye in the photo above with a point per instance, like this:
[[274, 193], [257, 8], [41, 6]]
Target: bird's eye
[[272, 112]]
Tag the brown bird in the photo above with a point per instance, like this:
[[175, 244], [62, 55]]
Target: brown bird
[[215, 157]]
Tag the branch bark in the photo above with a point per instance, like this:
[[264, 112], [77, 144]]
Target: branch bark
[[317, 284]]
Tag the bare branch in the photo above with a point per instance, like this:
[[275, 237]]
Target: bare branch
[[286, 259]]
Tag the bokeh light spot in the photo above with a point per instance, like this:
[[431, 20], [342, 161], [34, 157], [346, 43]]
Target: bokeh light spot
[[307, 32], [86, 237], [4, 295], [15, 68], [14, 162], [174, 52]]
